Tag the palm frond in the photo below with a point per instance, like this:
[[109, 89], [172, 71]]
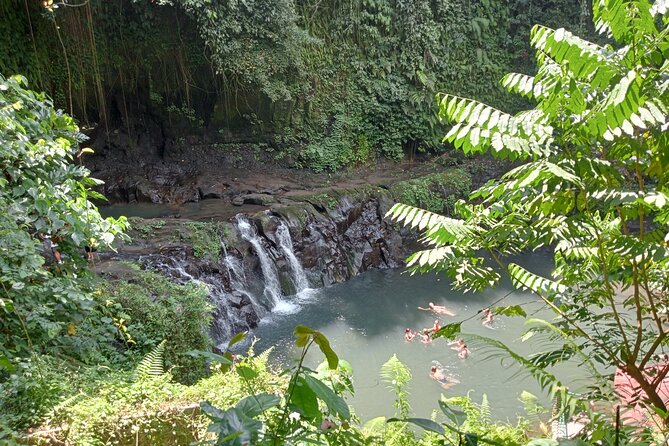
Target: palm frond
[[525, 279]]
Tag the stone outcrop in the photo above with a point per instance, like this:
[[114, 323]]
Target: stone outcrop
[[335, 235]]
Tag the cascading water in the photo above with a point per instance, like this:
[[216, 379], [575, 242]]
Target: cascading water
[[272, 289], [299, 278], [237, 279]]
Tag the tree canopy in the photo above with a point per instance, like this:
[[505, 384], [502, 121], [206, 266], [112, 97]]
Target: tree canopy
[[323, 84], [591, 187]]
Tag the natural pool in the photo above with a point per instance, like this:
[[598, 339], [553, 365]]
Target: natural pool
[[365, 319]]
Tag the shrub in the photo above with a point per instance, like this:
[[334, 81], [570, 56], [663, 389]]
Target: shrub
[[154, 308]]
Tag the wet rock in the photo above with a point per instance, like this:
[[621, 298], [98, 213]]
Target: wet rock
[[249, 316], [259, 199], [345, 237], [239, 300], [238, 200]]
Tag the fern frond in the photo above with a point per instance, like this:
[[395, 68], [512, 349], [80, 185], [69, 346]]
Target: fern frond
[[587, 61], [485, 416], [397, 376], [152, 364], [395, 373], [524, 279], [441, 229]]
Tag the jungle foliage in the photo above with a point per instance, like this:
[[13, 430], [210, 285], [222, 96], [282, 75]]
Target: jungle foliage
[[46, 220], [61, 326], [592, 188], [325, 83]]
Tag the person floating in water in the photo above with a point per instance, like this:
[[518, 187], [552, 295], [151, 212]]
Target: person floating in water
[[437, 309], [426, 338], [487, 317], [463, 353], [438, 373], [436, 326], [459, 346], [409, 335]]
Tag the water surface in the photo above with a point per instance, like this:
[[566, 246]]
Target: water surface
[[365, 319]]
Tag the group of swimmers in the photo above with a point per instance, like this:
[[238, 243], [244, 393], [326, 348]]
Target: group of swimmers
[[437, 371], [425, 334], [459, 346]]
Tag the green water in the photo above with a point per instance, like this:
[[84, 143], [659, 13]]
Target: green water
[[365, 319]]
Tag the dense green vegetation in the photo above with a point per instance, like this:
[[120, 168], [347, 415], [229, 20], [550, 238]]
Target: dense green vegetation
[[45, 215], [321, 84], [594, 188], [61, 327], [92, 360]]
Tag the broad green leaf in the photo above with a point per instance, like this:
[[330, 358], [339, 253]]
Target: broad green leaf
[[324, 345], [447, 331], [246, 372], [335, 403], [304, 399], [514, 310], [237, 338], [254, 405]]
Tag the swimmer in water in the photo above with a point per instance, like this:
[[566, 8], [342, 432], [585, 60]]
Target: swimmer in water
[[463, 353], [458, 344], [487, 317], [438, 374], [425, 336], [437, 309], [409, 335], [436, 326]]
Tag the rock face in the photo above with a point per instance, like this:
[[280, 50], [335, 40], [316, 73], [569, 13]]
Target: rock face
[[252, 263]]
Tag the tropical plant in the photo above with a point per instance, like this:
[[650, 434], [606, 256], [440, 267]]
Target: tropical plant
[[471, 424], [308, 411], [592, 186], [46, 220], [153, 363]]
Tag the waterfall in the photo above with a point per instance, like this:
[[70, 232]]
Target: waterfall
[[237, 279], [272, 285], [286, 243]]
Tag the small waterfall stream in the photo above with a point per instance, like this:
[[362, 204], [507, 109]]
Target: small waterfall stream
[[272, 290], [299, 278], [237, 278]]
